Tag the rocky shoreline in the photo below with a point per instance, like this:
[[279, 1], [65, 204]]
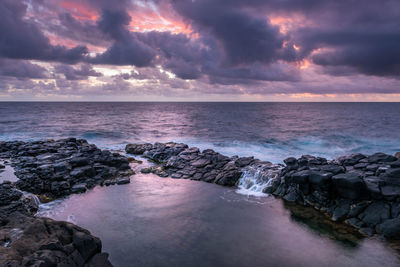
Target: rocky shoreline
[[52, 169], [361, 190]]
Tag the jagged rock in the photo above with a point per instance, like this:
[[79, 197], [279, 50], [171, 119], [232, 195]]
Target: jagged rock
[[380, 157], [375, 213], [137, 149], [349, 185], [351, 160], [79, 188], [320, 179], [390, 228], [123, 180], [300, 177]]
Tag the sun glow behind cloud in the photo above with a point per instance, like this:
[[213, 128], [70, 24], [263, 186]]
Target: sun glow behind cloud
[[297, 52]]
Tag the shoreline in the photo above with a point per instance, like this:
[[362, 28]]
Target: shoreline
[[362, 191]]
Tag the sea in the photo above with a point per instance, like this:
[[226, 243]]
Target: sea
[[268, 131], [157, 221]]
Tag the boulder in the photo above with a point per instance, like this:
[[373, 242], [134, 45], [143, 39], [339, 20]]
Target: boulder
[[349, 185], [390, 228], [123, 180], [375, 213], [137, 149], [300, 177], [320, 178], [380, 157]]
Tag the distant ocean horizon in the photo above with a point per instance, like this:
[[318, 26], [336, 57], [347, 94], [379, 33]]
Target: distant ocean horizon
[[267, 130]]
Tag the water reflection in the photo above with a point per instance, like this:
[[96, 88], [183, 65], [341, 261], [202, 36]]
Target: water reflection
[[321, 225], [168, 222]]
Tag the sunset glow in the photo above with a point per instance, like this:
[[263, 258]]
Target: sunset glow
[[261, 47]]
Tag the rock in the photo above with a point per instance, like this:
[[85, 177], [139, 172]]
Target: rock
[[300, 177], [78, 188], [349, 185], [372, 184], [380, 157], [200, 163], [78, 161], [389, 190], [397, 155], [137, 149], [244, 161], [395, 164], [291, 163], [123, 180], [2, 166], [86, 244], [321, 179], [390, 228], [146, 170], [229, 175], [351, 160], [375, 213], [393, 176], [334, 169], [99, 260], [341, 211]]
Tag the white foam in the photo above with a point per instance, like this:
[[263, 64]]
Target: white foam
[[254, 180]]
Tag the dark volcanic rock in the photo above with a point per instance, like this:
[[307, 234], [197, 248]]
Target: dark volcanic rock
[[349, 185], [390, 228], [31, 241], [362, 190], [58, 168], [137, 149]]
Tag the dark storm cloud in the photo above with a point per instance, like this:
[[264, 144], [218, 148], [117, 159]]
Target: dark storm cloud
[[362, 35], [21, 39], [81, 73], [127, 48], [21, 69], [243, 37]]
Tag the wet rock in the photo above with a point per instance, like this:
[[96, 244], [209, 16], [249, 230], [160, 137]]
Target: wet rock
[[242, 162], [123, 180], [372, 184], [300, 177], [390, 228], [380, 157], [137, 149], [200, 163], [397, 155], [375, 213], [351, 160], [146, 170], [321, 179], [341, 211], [390, 191], [78, 188], [79, 161], [349, 185]]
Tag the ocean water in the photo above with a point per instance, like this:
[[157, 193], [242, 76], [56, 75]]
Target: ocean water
[[268, 131], [157, 221]]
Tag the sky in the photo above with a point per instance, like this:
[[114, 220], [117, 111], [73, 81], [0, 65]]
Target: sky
[[200, 50]]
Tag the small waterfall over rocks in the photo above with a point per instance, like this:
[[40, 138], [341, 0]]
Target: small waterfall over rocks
[[256, 178]]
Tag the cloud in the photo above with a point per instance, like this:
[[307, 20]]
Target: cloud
[[21, 69], [22, 39], [81, 73]]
